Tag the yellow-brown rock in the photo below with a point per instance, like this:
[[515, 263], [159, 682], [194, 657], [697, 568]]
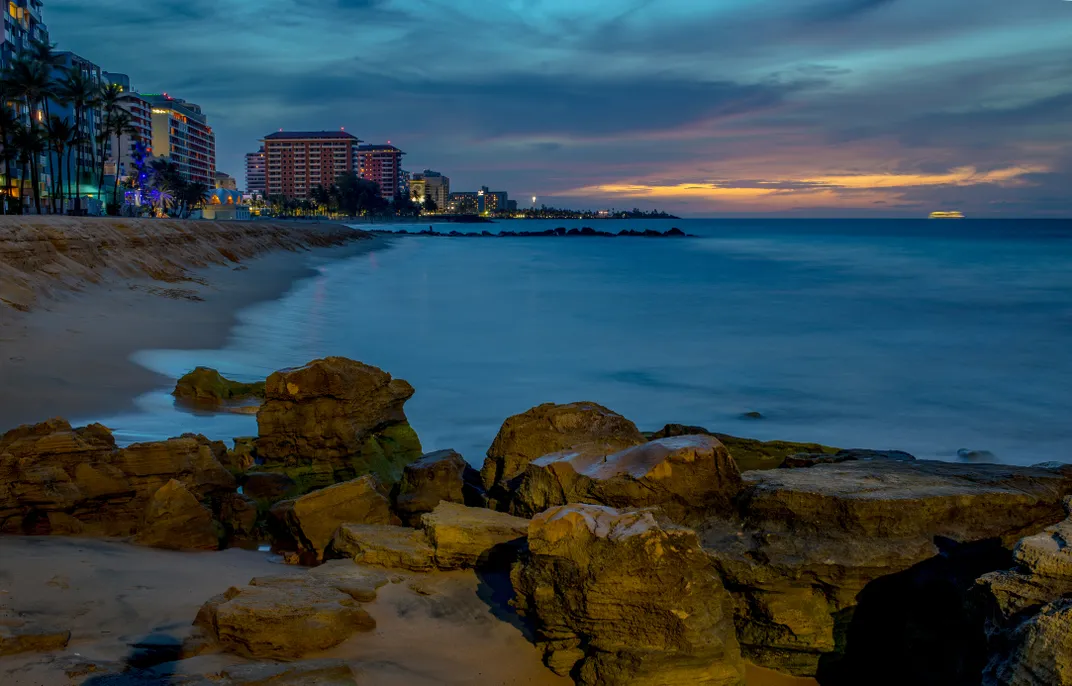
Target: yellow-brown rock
[[618, 599], [176, 520]]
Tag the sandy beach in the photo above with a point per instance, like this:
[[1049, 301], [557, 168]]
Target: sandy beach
[[65, 350]]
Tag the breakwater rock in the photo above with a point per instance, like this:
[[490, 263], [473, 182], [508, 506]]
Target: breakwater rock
[[560, 232]]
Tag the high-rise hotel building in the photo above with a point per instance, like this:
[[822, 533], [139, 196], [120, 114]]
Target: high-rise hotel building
[[256, 178], [382, 164], [299, 161], [181, 133]]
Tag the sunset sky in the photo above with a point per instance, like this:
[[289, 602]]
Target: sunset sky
[[699, 107]]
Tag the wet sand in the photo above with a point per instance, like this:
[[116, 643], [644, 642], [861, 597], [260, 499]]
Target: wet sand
[[70, 355]]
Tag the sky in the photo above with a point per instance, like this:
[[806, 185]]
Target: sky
[[699, 107]]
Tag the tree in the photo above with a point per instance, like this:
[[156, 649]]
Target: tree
[[404, 206], [358, 196], [193, 196], [108, 97], [60, 136], [122, 125], [430, 205], [30, 144], [8, 121], [31, 81], [78, 89]]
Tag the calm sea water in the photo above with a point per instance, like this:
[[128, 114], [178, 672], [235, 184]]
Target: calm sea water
[[925, 336]]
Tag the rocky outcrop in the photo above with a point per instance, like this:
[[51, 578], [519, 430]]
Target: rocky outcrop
[[582, 427], [19, 635], [288, 617], [451, 537], [687, 477], [268, 487], [57, 479], [311, 520], [334, 420], [442, 476], [868, 553], [799, 460], [176, 520], [749, 453], [618, 599], [206, 387], [1029, 612]]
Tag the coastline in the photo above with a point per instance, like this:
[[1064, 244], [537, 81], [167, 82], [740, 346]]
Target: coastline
[[71, 354]]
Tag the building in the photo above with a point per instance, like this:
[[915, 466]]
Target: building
[[225, 181], [433, 185], [255, 177], [225, 204], [92, 122], [181, 134], [464, 202], [383, 165], [121, 149], [296, 162], [490, 202], [23, 25]]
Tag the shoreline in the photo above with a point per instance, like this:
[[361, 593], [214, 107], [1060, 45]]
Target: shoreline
[[71, 355]]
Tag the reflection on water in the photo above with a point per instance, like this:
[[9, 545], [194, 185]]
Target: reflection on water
[[857, 334]]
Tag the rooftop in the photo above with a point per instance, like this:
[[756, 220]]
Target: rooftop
[[378, 148], [296, 135]]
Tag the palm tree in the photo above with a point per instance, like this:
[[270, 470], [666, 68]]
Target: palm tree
[[30, 144], [108, 97], [31, 81], [193, 196], [122, 125], [78, 89], [8, 121], [60, 136]]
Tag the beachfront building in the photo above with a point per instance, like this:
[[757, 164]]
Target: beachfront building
[[23, 24], [225, 181], [430, 185], [121, 152], [490, 202], [225, 204], [87, 153], [182, 135], [255, 173], [296, 162], [383, 165], [463, 202]]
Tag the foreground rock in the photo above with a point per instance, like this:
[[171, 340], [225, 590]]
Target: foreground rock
[[311, 520], [289, 617], [686, 477], [1029, 611], [57, 479], [874, 556], [618, 599], [451, 537], [442, 476], [334, 420], [19, 635], [175, 519], [583, 427], [207, 387], [749, 453]]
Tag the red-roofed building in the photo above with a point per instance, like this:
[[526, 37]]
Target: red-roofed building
[[298, 161], [382, 164]]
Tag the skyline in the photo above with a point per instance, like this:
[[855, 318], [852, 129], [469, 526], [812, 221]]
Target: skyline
[[816, 108]]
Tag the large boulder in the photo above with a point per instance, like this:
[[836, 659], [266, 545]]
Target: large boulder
[[618, 599], [206, 387], [283, 618], [311, 520], [451, 537], [442, 476], [1028, 611], [845, 569], [582, 427], [176, 520], [333, 420], [58, 479], [687, 477], [749, 453]]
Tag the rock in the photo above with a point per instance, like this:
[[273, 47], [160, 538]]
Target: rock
[[442, 476], [282, 621], [451, 537], [799, 460], [18, 637], [394, 547], [241, 458], [268, 487], [334, 420], [239, 515], [618, 599], [749, 453], [470, 537], [686, 477], [58, 479], [312, 519], [1042, 655], [174, 519], [976, 455], [206, 387], [881, 551], [582, 427]]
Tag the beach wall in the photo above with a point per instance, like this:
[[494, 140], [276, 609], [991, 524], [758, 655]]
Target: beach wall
[[40, 256]]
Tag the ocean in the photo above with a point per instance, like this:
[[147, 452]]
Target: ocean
[[950, 339]]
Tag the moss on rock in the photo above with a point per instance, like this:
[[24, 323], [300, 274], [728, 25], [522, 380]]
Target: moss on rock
[[206, 386]]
